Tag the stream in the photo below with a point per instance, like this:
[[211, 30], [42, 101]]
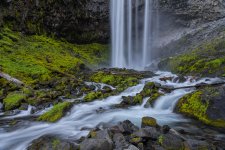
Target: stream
[[85, 116]]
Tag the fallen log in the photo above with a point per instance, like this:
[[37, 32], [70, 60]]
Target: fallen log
[[191, 86], [11, 79]]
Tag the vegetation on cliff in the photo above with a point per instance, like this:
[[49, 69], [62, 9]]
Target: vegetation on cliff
[[206, 60]]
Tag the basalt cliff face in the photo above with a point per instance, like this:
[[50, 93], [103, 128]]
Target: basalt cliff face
[[77, 21], [87, 21]]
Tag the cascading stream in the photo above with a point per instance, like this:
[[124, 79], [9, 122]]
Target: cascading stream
[[133, 33], [86, 115]]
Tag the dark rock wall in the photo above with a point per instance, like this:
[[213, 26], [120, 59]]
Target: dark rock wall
[[79, 21]]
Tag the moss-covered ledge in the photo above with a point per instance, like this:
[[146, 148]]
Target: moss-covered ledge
[[207, 60], [206, 105]]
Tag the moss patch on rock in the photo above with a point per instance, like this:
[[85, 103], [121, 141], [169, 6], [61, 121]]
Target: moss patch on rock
[[206, 105], [120, 81], [206, 60], [13, 101], [56, 113]]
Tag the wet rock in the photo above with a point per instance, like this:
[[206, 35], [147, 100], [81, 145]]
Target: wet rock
[[148, 121], [23, 106], [197, 145], [165, 129], [131, 147], [96, 144], [206, 104], [179, 79], [1, 107], [165, 79], [52, 143], [147, 132], [127, 127], [120, 141], [171, 141]]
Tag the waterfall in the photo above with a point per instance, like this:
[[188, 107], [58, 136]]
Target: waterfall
[[133, 30]]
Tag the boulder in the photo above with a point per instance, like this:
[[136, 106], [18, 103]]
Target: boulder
[[147, 132], [127, 127], [149, 121], [96, 144], [52, 143]]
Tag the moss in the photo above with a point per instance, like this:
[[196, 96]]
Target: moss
[[93, 134], [149, 121], [119, 80], [56, 113], [55, 143], [197, 62], [160, 140], [13, 101], [136, 140], [138, 99], [39, 58], [93, 95], [196, 105]]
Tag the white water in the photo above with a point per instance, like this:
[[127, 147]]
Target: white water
[[86, 115], [132, 39]]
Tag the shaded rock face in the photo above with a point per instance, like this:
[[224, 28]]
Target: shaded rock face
[[190, 12], [77, 21]]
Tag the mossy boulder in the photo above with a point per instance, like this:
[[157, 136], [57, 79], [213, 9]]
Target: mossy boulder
[[13, 100], [148, 121], [149, 90], [56, 113], [207, 105], [93, 95], [206, 60], [53, 143]]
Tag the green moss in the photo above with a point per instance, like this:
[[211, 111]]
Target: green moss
[[160, 140], [13, 101], [55, 143], [136, 140], [138, 99], [39, 58], [149, 121], [197, 62], [196, 105], [56, 113], [93, 95], [120, 81]]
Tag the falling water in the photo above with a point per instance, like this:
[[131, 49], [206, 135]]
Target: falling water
[[133, 32]]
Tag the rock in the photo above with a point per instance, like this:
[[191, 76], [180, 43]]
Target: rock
[[206, 104], [127, 127], [171, 141], [147, 132], [179, 79], [96, 144], [197, 145], [1, 107], [103, 134], [51, 143], [148, 121], [132, 147], [23, 106], [120, 141], [165, 129]]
